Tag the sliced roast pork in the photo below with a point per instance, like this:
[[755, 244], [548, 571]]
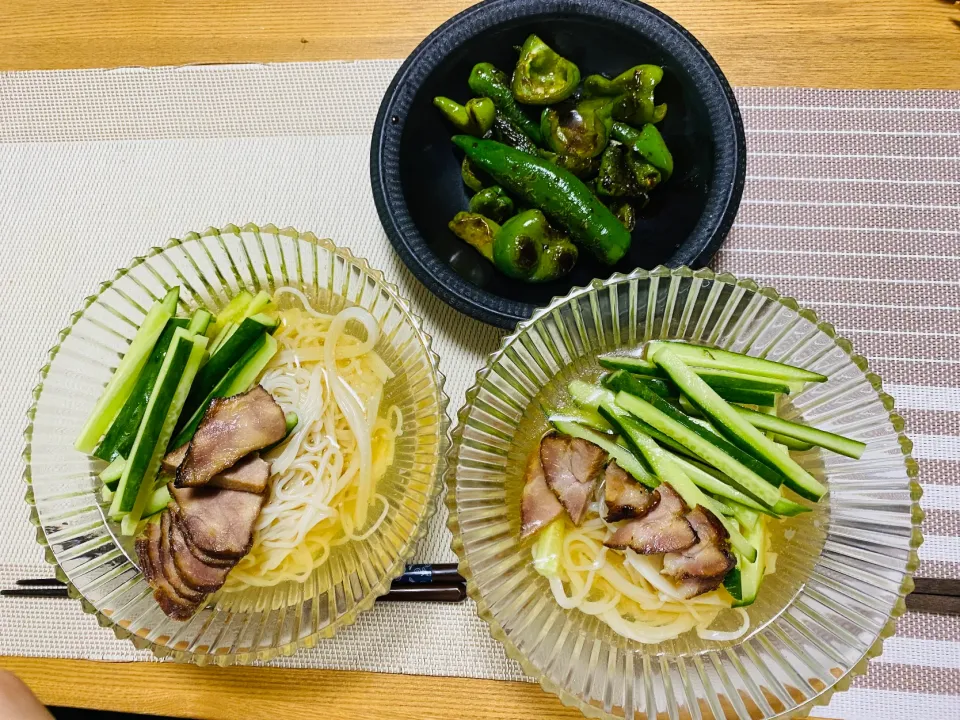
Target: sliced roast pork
[[664, 529], [572, 467], [693, 586], [709, 557], [170, 573], [174, 459], [197, 574], [231, 428], [218, 522], [172, 604], [625, 497], [538, 505], [249, 474]]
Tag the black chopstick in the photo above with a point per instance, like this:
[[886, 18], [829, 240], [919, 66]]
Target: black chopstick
[[36, 592], [31, 582]]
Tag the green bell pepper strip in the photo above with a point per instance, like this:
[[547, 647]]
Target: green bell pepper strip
[[489, 82], [542, 77], [558, 193], [474, 118], [648, 142], [494, 203]]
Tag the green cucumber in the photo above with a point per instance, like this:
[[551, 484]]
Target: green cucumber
[[708, 357], [225, 358], [747, 480], [111, 474], [624, 458], [231, 312], [714, 378], [119, 438], [632, 364], [251, 363], [148, 435], [638, 388], [735, 427], [671, 473], [743, 582], [106, 495], [706, 480], [157, 502], [124, 378], [196, 347], [221, 336], [747, 517], [586, 416], [261, 302], [804, 433], [199, 321], [621, 379], [791, 443]]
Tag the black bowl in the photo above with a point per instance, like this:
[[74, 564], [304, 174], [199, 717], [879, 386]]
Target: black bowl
[[415, 169]]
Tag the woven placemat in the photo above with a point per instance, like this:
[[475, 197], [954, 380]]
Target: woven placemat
[[852, 206]]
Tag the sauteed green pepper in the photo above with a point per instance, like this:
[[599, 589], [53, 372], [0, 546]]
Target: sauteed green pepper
[[472, 178], [581, 130], [489, 82], [528, 248], [509, 134], [543, 77], [648, 142], [632, 91], [493, 202], [615, 179], [474, 118], [555, 191]]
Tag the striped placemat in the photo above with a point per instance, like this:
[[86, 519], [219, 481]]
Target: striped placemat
[[852, 206]]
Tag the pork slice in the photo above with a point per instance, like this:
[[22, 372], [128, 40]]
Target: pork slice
[[174, 607], [709, 557], [173, 459], [146, 541], [538, 505], [249, 475], [167, 565], [218, 522], [625, 497], [197, 574], [231, 428], [571, 467], [172, 604], [664, 529], [693, 586]]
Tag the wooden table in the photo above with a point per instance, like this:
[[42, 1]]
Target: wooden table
[[821, 43]]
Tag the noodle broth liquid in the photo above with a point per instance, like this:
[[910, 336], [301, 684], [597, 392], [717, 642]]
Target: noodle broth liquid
[[796, 541]]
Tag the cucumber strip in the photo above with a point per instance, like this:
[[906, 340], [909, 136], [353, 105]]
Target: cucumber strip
[[195, 346], [111, 474], [124, 378], [119, 438], [708, 357], [219, 364], [736, 428], [157, 502], [253, 361], [145, 443], [804, 433], [792, 443], [199, 322], [743, 582], [625, 459], [713, 377], [789, 508], [261, 302], [670, 472], [747, 480], [709, 434], [586, 416], [710, 482], [106, 495], [232, 311], [622, 380], [221, 337], [548, 548], [747, 517]]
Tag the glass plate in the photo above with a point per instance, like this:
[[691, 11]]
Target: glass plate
[[100, 566], [842, 570]]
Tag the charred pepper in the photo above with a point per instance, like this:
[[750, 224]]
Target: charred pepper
[[648, 142], [493, 202], [581, 130], [489, 82], [474, 118], [542, 77]]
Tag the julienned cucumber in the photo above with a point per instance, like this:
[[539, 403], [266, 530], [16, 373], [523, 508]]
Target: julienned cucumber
[[831, 441], [197, 347], [241, 375], [124, 378], [671, 473], [668, 389], [713, 378], [707, 357], [716, 486], [157, 502], [640, 389], [199, 321], [625, 459], [231, 312], [119, 438], [743, 582], [736, 428], [154, 416], [747, 480], [260, 302], [220, 363], [111, 474]]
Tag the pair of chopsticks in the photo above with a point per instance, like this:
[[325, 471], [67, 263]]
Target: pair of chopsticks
[[439, 582]]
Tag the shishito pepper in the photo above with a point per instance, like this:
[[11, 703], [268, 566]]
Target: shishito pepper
[[557, 192], [581, 130], [648, 142], [509, 134], [632, 91], [543, 77], [474, 118], [527, 248], [475, 230], [489, 82], [493, 202]]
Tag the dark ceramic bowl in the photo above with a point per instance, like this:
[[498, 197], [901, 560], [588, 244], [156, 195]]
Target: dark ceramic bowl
[[415, 169]]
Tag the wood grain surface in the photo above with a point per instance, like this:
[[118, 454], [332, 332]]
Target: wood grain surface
[[823, 43], [819, 43]]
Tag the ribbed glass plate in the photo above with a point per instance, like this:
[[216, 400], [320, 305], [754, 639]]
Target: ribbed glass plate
[[842, 570], [100, 566]]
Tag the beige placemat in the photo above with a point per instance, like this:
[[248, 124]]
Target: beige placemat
[[852, 205]]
